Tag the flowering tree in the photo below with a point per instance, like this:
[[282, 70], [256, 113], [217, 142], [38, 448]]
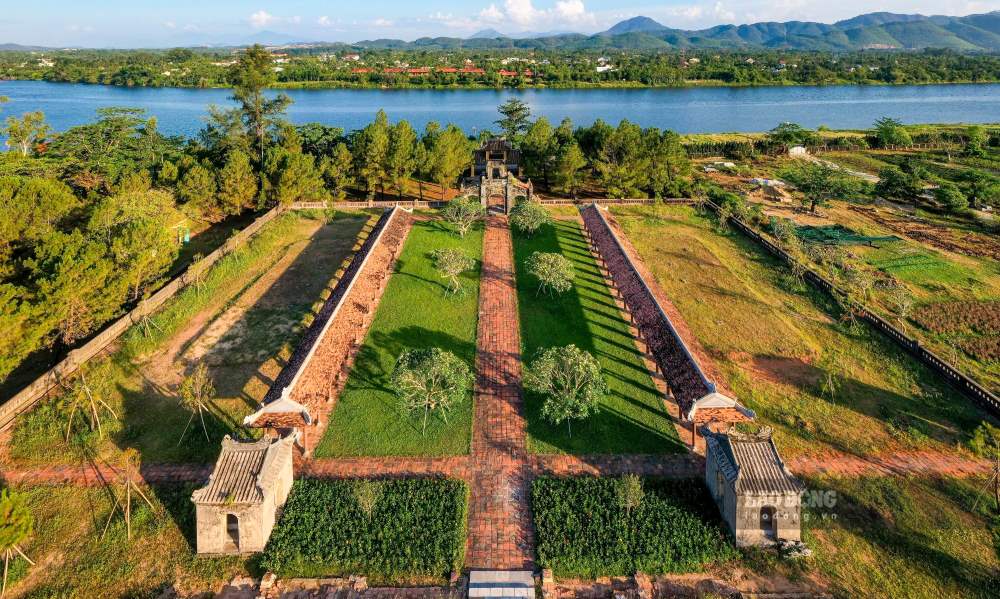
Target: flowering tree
[[571, 381], [450, 264], [430, 380]]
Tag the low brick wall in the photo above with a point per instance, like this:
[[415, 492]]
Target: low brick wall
[[27, 397], [673, 355], [319, 366]]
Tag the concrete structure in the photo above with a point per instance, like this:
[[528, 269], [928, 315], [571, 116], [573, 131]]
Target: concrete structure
[[758, 497], [238, 507]]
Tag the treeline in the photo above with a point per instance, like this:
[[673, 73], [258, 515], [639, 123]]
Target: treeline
[[328, 66]]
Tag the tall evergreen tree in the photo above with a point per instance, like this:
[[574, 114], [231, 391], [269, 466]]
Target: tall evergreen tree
[[401, 160], [252, 74], [515, 117]]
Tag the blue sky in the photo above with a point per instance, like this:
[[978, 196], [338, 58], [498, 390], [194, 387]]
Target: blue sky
[[135, 23]]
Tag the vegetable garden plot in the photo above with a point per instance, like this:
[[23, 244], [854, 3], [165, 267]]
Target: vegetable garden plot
[[393, 531], [614, 527]]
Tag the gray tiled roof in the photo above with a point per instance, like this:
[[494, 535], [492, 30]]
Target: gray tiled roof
[[752, 462], [244, 471]]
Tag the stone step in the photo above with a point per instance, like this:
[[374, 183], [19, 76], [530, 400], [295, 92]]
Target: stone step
[[500, 584]]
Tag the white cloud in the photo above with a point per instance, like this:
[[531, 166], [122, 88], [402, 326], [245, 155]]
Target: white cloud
[[382, 23], [324, 21], [80, 28], [491, 14], [571, 10], [170, 25], [261, 18]]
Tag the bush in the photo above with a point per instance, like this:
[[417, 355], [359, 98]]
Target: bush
[[553, 271], [409, 530], [583, 527]]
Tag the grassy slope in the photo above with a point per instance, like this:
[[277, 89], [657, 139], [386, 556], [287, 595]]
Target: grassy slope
[[632, 418], [415, 312], [74, 562], [904, 537], [241, 361], [769, 336]]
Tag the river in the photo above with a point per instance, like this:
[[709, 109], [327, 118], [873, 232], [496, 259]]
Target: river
[[687, 110]]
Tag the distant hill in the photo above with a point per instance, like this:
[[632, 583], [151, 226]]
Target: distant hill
[[636, 25], [486, 34], [881, 30]]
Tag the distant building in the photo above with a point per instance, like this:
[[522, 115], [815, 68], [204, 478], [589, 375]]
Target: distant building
[[237, 509], [757, 496]]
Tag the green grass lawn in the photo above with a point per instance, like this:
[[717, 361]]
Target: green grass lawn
[[775, 339], [632, 418], [415, 312], [903, 537], [75, 562]]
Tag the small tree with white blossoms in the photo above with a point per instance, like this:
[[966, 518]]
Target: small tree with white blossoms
[[450, 264], [553, 271], [463, 213], [571, 381], [430, 380], [528, 217]]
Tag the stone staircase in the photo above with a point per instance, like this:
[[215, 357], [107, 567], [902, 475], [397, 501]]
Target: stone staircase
[[501, 584]]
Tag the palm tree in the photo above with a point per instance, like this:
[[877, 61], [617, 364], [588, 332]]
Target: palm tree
[[16, 523]]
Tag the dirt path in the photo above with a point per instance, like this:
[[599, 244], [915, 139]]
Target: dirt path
[[500, 530], [895, 464]]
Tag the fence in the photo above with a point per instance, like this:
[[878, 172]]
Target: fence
[[28, 396], [958, 379]]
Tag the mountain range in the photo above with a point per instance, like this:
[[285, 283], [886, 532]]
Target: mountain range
[[880, 30]]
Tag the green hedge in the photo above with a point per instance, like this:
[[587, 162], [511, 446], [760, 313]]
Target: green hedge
[[583, 527], [416, 530]]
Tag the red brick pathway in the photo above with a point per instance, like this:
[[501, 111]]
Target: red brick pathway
[[386, 467], [99, 474], [500, 531]]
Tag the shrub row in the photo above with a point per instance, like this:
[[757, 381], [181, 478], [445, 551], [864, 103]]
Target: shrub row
[[603, 527], [393, 530]]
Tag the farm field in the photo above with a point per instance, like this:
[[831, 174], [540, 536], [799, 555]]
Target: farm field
[[937, 256], [242, 322], [776, 341], [415, 312], [413, 533], [632, 418]]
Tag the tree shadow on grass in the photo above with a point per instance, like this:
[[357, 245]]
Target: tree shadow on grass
[[632, 418], [892, 515]]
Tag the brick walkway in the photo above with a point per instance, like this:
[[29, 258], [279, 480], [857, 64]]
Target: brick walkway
[[670, 466], [382, 467], [500, 531], [99, 474]]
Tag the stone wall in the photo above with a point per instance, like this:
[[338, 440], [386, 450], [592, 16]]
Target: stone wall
[[672, 351]]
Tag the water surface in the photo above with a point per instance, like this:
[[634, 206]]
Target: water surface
[[689, 110]]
